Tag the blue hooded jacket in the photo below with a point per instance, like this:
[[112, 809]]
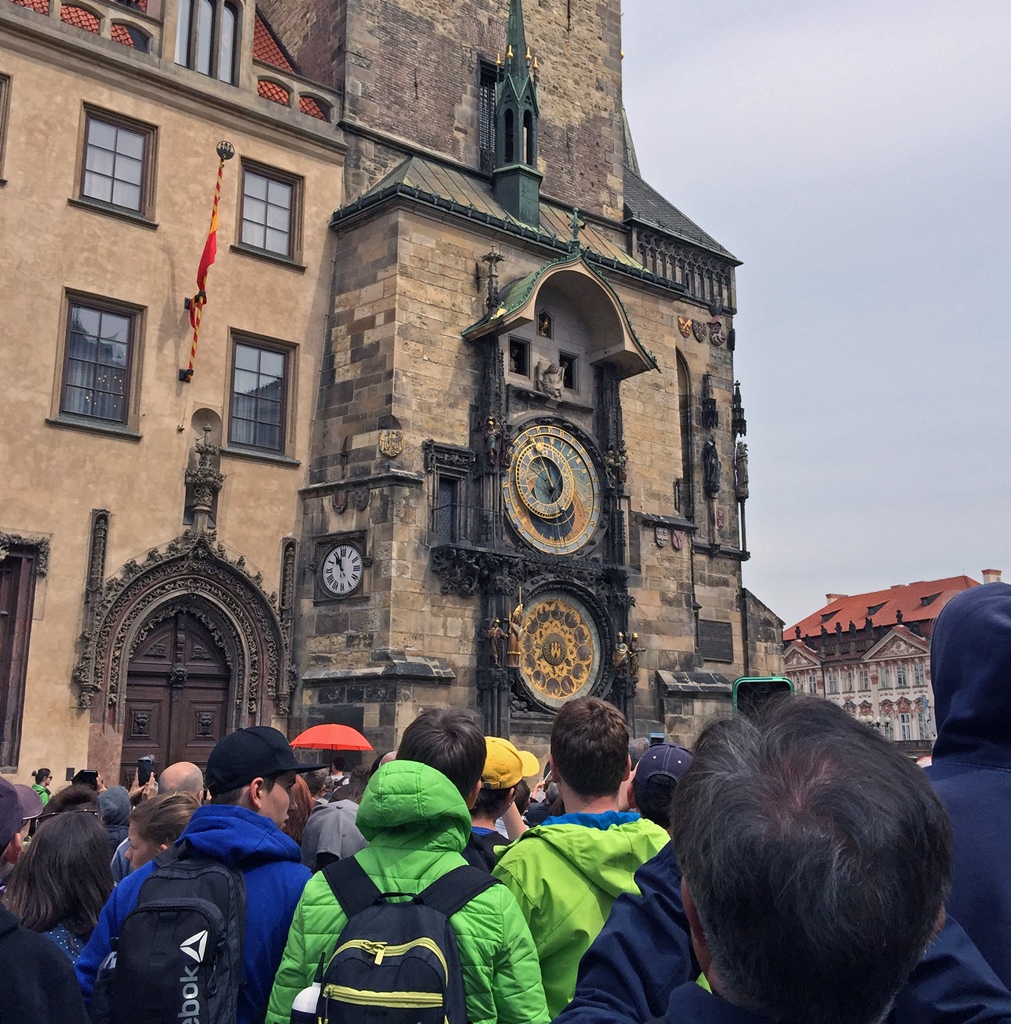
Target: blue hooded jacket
[[970, 667], [275, 878], [637, 966]]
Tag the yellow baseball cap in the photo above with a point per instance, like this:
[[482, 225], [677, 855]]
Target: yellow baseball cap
[[504, 765]]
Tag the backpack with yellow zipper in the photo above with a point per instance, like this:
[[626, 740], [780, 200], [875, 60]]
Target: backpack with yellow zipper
[[396, 960]]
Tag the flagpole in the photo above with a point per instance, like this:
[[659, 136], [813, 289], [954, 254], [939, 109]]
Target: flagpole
[[225, 151]]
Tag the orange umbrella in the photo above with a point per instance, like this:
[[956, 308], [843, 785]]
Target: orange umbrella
[[331, 737]]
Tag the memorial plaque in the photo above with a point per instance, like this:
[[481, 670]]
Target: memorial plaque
[[716, 640]]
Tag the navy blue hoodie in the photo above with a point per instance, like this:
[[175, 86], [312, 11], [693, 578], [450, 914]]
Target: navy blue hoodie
[[275, 878], [637, 966], [970, 667]]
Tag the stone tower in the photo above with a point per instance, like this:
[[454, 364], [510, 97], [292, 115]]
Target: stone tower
[[522, 479]]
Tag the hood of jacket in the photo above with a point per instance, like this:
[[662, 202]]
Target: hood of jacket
[[970, 670], [608, 857], [238, 838], [411, 805]]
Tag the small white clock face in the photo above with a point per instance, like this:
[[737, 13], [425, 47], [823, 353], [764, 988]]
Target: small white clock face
[[342, 570]]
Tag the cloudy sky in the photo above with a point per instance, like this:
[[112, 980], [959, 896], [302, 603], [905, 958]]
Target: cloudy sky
[[856, 155]]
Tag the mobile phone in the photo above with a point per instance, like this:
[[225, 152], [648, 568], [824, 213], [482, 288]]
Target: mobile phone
[[145, 769], [87, 777], [656, 738]]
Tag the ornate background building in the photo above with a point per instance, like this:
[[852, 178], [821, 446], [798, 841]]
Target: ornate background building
[[870, 654], [463, 427]]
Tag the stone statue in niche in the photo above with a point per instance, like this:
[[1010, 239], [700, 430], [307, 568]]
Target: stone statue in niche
[[496, 641], [550, 380], [633, 656], [620, 657], [493, 442], [515, 634], [711, 468], [741, 471]]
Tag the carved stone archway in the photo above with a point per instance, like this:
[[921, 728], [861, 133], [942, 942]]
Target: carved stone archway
[[195, 574]]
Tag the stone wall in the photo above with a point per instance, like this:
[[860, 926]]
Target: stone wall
[[410, 68]]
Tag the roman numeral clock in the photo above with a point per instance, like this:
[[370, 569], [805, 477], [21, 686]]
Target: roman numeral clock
[[341, 565]]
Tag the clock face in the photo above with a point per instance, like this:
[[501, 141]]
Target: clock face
[[342, 570], [560, 650], [552, 490]]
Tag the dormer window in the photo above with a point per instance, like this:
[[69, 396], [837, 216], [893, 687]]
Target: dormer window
[[207, 37]]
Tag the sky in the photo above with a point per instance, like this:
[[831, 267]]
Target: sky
[[856, 156]]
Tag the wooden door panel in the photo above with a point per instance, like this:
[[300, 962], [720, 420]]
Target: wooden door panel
[[178, 685], [146, 730]]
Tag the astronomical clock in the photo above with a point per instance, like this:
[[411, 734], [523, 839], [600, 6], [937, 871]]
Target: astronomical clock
[[541, 542]]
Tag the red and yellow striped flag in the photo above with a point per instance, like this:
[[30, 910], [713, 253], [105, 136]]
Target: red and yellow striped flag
[[207, 257]]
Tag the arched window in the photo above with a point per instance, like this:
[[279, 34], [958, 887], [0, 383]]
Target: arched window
[[685, 490], [510, 137], [529, 157], [226, 42], [207, 34]]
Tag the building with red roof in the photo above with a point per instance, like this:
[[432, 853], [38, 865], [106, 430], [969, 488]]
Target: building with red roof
[[870, 653]]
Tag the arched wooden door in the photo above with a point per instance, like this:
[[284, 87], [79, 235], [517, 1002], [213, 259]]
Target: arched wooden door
[[177, 690]]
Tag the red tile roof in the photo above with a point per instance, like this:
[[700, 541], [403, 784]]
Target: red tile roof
[[267, 47], [42, 6], [309, 106], [80, 17], [272, 91], [120, 35], [918, 602]]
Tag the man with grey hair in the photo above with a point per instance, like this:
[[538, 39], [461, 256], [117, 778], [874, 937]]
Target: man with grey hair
[[819, 899]]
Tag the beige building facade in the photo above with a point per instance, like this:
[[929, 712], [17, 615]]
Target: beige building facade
[[132, 618]]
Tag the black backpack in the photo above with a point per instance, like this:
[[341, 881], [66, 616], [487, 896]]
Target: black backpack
[[178, 957], [396, 961]]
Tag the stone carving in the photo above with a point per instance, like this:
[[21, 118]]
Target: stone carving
[[696, 271], [205, 724], [515, 635], [699, 330], [716, 335], [493, 443], [192, 565], [41, 545], [339, 501], [619, 659], [633, 658], [741, 471], [550, 380], [97, 548], [205, 480], [141, 723], [448, 456], [360, 498], [685, 326], [616, 466], [496, 642], [458, 570], [391, 443], [711, 468]]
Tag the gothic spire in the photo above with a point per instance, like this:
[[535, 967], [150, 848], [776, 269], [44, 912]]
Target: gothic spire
[[517, 62], [516, 181]]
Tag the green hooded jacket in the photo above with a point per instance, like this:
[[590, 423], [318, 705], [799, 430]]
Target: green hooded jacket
[[417, 824], [566, 876]]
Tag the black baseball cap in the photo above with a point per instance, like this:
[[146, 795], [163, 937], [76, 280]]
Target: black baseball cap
[[662, 766], [253, 753]]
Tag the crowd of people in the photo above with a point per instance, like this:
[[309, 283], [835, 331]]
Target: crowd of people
[[794, 866]]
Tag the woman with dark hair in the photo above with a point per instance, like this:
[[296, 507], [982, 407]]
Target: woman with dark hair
[[156, 824], [43, 777], [62, 880]]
